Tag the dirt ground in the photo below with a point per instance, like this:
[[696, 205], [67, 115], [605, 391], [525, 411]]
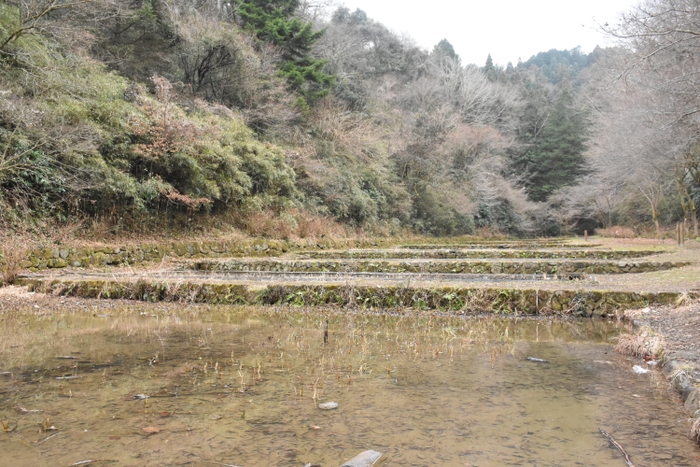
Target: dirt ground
[[680, 328]]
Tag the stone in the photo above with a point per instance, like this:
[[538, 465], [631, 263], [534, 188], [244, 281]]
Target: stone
[[328, 406], [692, 403], [364, 459]]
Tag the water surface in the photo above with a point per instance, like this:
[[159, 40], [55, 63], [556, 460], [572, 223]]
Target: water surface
[[238, 386]]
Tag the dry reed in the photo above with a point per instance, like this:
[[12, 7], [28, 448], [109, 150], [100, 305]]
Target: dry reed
[[12, 261], [642, 344]]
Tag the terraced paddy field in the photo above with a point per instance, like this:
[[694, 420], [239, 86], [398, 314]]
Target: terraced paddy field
[[446, 355], [530, 277]]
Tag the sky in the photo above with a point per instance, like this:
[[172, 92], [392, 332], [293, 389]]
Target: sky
[[509, 30]]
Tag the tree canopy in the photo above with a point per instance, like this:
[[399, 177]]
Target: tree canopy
[[273, 21], [350, 120]]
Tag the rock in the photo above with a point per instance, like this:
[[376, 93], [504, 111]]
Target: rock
[[639, 370], [537, 360], [328, 406], [151, 430], [364, 459]]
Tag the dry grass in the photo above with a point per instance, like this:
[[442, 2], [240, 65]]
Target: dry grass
[[312, 226], [644, 343], [293, 224], [616, 231], [12, 259]]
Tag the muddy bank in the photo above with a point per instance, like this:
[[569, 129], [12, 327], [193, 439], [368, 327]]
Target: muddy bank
[[679, 326]]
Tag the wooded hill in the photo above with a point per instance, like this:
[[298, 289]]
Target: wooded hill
[[290, 118]]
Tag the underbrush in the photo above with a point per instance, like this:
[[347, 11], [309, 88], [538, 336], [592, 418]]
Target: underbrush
[[13, 255], [295, 223]]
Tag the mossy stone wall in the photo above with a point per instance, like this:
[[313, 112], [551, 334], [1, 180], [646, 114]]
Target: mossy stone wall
[[50, 258], [459, 300], [482, 254], [457, 267]]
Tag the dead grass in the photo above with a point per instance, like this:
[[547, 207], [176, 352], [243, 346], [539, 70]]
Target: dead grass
[[616, 231], [12, 259], [295, 224], [644, 343]]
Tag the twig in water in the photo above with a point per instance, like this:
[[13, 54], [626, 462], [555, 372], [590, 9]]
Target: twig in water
[[220, 463], [617, 445], [315, 383], [24, 411], [42, 441]]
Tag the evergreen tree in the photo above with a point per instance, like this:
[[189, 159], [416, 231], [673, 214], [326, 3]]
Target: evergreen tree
[[554, 156], [445, 48], [489, 69], [559, 65], [272, 21]]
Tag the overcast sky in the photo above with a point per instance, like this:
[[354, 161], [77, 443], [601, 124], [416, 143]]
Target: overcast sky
[[507, 29]]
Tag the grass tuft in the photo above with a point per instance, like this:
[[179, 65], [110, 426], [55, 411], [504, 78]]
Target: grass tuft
[[12, 259], [644, 343]]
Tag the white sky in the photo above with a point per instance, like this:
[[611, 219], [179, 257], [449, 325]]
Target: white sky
[[507, 29]]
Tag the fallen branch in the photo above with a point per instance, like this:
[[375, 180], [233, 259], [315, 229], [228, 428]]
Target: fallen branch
[[617, 445]]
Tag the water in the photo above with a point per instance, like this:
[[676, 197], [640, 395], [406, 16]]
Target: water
[[236, 386]]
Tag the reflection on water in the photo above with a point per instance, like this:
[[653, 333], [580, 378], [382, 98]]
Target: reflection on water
[[235, 386]]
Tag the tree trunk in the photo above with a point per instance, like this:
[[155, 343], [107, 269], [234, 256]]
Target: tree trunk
[[687, 203], [655, 216], [693, 215]]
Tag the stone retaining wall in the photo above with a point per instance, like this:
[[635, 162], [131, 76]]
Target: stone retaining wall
[[483, 254], [458, 267], [50, 258], [513, 244], [460, 300]]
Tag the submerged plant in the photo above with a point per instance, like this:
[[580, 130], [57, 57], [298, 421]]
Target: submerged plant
[[6, 426]]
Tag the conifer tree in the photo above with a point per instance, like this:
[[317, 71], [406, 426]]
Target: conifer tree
[[272, 21], [490, 69], [445, 48], [554, 158]]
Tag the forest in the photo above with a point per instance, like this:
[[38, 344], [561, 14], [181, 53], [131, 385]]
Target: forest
[[296, 118]]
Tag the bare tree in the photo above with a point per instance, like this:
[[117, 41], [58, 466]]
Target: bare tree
[[30, 16], [648, 111]]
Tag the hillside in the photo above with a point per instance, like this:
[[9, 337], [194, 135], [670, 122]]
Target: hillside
[[281, 120]]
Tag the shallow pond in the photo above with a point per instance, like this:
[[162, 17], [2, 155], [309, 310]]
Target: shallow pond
[[238, 386]]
